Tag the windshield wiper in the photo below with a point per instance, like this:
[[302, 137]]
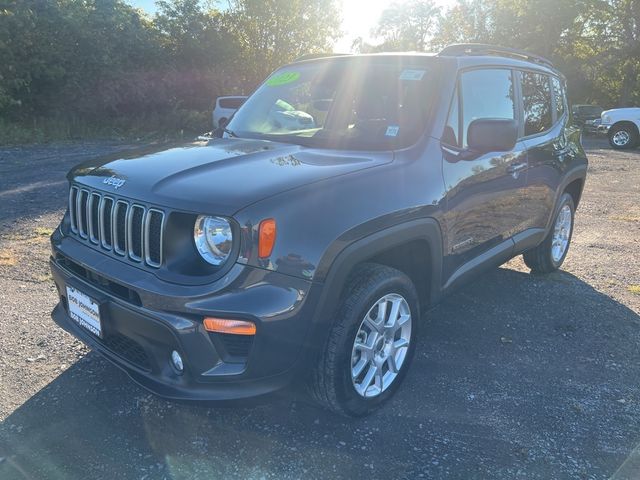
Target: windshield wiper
[[220, 131]]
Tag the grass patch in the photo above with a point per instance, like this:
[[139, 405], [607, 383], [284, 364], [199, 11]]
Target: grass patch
[[44, 231], [7, 258], [178, 124], [634, 289]]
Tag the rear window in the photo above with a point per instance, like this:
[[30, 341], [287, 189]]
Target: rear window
[[558, 92], [233, 103], [589, 110], [536, 98]]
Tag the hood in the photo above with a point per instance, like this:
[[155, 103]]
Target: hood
[[623, 111], [220, 176]]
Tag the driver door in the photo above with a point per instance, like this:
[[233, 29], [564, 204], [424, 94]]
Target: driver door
[[485, 192]]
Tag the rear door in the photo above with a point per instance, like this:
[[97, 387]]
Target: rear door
[[544, 110], [485, 193]]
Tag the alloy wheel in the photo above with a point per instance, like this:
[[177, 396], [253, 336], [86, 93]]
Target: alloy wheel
[[561, 233], [381, 345]]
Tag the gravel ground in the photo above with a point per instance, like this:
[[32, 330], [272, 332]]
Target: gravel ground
[[516, 375]]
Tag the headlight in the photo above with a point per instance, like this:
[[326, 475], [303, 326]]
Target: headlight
[[213, 238], [606, 119]]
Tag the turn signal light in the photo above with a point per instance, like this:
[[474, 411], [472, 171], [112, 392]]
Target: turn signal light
[[235, 327], [266, 237]]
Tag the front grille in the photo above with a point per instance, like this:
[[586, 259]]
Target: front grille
[[128, 229]]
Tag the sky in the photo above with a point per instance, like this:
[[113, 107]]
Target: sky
[[358, 18]]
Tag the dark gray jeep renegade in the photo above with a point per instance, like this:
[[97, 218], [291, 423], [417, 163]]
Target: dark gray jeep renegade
[[345, 197]]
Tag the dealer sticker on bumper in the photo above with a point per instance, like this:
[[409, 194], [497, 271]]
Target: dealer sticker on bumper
[[84, 310]]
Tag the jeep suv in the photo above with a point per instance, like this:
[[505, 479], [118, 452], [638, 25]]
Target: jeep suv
[[308, 251]]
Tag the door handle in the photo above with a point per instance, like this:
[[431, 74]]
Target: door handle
[[516, 168]]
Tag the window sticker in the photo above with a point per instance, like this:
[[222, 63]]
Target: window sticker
[[413, 75], [283, 79], [392, 131]]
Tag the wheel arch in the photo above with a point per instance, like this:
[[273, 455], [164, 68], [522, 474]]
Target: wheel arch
[[395, 247], [575, 188], [630, 123], [573, 183]]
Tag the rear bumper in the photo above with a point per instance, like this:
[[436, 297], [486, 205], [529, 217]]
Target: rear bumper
[[139, 339]]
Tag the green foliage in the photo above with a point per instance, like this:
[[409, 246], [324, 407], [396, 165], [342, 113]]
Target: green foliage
[[273, 32], [408, 26], [71, 68], [595, 43]]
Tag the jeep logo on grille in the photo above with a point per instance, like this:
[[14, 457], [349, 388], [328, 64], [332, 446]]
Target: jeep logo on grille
[[115, 181]]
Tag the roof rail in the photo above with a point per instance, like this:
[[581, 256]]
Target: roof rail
[[313, 56], [485, 49]]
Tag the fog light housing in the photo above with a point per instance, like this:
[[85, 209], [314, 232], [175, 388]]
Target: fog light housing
[[176, 361]]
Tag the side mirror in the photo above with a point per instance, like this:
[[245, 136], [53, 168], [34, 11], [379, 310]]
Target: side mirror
[[492, 135]]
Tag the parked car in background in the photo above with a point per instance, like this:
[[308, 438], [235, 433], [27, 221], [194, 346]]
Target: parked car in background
[[225, 107], [622, 126], [592, 126], [345, 197], [584, 113]]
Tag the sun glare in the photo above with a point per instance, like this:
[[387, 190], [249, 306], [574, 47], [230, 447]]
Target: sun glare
[[359, 17]]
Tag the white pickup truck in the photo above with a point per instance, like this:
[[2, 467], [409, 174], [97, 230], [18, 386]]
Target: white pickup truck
[[622, 126]]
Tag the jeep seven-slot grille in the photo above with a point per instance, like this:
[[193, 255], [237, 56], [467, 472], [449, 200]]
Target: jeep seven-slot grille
[[128, 229]]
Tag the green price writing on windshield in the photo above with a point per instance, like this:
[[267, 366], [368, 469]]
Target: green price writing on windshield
[[283, 78]]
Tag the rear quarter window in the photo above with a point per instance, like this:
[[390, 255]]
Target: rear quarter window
[[560, 97], [536, 99]]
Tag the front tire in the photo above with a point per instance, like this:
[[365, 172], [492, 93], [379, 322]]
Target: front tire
[[623, 137], [550, 254], [371, 343]]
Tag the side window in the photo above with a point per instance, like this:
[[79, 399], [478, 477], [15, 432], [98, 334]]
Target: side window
[[559, 95], [486, 94], [451, 130], [536, 99]]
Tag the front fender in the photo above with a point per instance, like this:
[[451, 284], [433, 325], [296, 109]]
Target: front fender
[[339, 267]]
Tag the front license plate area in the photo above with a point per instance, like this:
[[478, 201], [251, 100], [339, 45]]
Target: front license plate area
[[84, 310]]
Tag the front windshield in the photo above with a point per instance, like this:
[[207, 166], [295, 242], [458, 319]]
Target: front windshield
[[369, 103]]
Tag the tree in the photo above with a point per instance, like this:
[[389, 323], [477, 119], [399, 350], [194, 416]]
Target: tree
[[193, 35], [469, 21], [616, 29], [407, 25], [273, 32]]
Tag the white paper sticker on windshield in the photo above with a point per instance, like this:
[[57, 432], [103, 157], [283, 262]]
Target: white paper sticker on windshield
[[392, 131], [414, 75]]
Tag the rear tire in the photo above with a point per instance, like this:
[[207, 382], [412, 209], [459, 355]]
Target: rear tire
[[374, 331], [550, 254], [623, 137]]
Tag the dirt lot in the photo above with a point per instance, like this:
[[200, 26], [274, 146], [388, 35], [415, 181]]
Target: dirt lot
[[517, 376]]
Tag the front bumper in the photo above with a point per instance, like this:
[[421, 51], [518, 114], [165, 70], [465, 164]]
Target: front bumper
[[143, 325], [603, 128]]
